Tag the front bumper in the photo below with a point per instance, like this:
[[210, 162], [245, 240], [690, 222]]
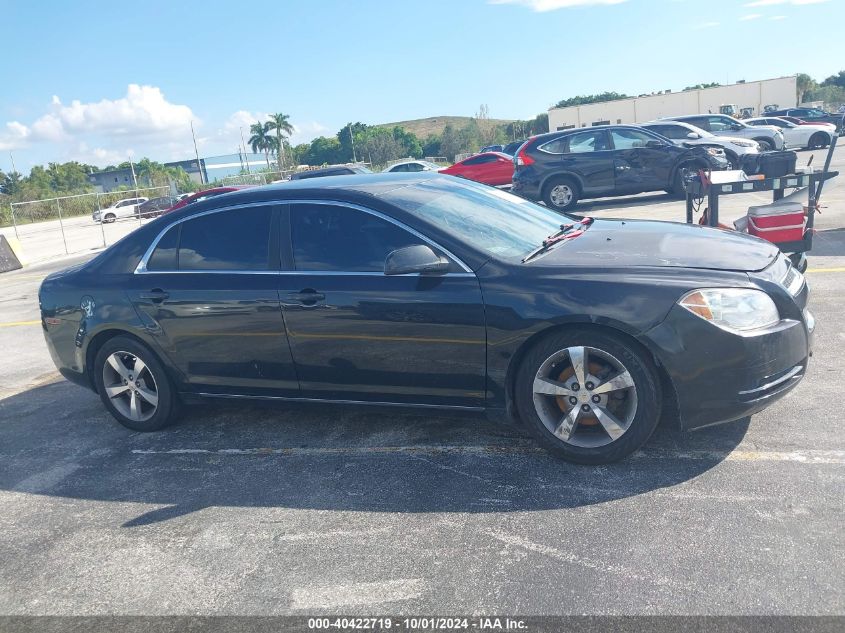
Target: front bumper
[[720, 376]]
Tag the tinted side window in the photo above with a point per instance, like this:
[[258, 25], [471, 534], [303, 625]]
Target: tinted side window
[[330, 237], [164, 256], [587, 142], [670, 131], [629, 139], [399, 168], [700, 122], [473, 161], [413, 167], [228, 240], [557, 146]]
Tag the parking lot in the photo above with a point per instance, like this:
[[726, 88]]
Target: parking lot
[[292, 510]]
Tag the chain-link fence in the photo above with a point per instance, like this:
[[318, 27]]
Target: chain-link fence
[[60, 226]]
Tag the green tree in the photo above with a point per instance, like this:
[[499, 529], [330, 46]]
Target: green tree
[[804, 84], [835, 80], [10, 183], [261, 141], [584, 100], [281, 124], [712, 84]]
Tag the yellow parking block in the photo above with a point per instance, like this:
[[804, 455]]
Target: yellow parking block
[[839, 269]]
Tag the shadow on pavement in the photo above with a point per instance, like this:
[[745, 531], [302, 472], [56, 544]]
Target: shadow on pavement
[[829, 243], [57, 440]]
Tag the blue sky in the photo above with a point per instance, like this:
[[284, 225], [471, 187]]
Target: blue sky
[[96, 81]]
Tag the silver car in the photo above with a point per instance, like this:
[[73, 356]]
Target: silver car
[[768, 136], [682, 133], [413, 166]]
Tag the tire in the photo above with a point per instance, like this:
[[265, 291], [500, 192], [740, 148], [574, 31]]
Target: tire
[[819, 140], [677, 189], [765, 144], [561, 193], [156, 404], [733, 159], [628, 414], [110, 217]]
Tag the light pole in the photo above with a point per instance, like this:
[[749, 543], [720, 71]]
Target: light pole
[[197, 153]]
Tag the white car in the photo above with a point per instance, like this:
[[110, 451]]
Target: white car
[[127, 208], [801, 136], [686, 134], [412, 165], [768, 136]]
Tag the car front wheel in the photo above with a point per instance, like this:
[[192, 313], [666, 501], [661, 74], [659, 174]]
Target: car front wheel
[[560, 194], [133, 385], [765, 145], [589, 397]]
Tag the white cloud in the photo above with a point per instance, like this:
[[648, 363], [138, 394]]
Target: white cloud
[[778, 17], [706, 25], [769, 3], [551, 5], [14, 136], [142, 112], [751, 16]]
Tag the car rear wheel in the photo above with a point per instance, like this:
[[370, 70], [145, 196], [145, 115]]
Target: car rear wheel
[[589, 397], [134, 386], [560, 194], [819, 140]]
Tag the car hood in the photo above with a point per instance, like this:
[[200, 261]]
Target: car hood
[[623, 243]]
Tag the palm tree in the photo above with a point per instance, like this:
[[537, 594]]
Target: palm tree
[[280, 123], [261, 141]]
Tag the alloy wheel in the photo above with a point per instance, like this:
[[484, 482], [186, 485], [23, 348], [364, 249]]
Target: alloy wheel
[[585, 396], [561, 195], [130, 386]]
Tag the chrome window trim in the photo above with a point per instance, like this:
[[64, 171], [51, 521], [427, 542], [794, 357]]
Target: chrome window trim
[[141, 268]]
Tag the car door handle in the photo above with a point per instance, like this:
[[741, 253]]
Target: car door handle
[[307, 297], [156, 295]]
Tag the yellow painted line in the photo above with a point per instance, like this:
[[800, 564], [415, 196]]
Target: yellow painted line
[[17, 323], [840, 269]]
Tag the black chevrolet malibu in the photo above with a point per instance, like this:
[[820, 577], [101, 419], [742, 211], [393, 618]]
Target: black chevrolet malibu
[[422, 290]]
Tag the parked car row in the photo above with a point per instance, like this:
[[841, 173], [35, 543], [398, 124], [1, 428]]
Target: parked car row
[[561, 168]]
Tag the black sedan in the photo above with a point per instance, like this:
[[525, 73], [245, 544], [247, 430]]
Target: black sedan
[[421, 290], [561, 168]]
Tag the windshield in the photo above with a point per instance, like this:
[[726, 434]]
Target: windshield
[[499, 223]]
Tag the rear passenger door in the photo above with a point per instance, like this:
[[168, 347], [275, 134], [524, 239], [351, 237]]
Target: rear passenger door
[[208, 294], [589, 156]]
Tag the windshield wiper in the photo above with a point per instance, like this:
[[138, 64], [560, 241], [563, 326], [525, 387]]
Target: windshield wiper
[[566, 232]]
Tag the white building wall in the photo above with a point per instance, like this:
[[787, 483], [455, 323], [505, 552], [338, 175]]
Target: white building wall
[[756, 94]]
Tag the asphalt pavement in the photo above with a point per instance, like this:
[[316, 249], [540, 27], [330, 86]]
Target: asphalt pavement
[[294, 510]]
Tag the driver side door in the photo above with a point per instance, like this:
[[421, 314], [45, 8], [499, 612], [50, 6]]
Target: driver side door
[[357, 334], [640, 167]]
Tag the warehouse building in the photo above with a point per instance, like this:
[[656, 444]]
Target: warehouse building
[[781, 92]]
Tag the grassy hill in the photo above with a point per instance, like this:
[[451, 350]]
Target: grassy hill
[[435, 124]]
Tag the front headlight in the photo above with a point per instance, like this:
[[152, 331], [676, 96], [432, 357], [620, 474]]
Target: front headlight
[[745, 143], [735, 309]]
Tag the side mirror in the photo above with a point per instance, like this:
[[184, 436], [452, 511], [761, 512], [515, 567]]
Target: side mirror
[[654, 144], [415, 259], [693, 135]]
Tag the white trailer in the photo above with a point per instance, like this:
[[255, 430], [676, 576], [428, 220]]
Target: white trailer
[[782, 91]]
